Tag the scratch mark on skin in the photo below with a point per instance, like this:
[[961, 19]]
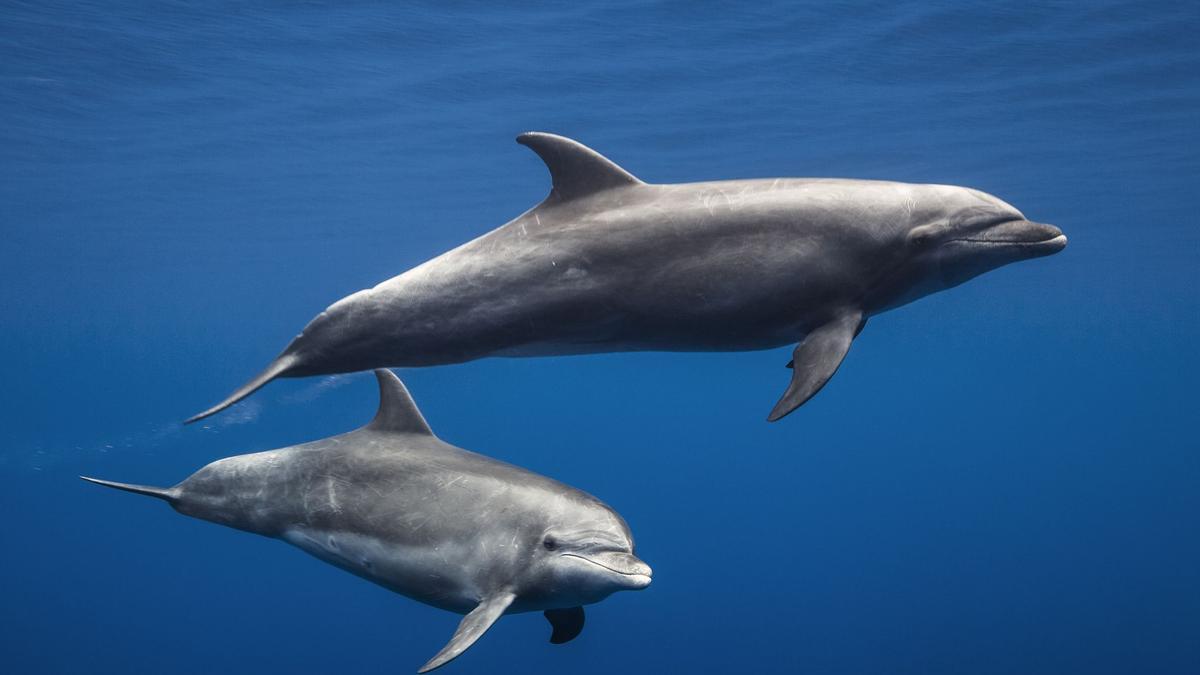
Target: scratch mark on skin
[[331, 486]]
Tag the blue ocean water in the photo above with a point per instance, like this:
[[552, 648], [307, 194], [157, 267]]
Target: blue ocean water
[[1001, 478]]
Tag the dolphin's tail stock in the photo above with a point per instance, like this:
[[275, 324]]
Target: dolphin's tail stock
[[278, 367], [167, 494]]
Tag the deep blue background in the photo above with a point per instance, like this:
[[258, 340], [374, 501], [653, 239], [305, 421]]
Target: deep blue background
[[1001, 479]]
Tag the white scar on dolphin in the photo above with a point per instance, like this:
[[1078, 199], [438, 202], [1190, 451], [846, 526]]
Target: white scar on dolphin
[[608, 263], [396, 505]]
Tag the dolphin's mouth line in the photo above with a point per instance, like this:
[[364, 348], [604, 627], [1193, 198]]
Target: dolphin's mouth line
[[610, 569], [1008, 242]]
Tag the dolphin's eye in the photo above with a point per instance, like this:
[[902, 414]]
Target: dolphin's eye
[[929, 234], [550, 543], [921, 237]]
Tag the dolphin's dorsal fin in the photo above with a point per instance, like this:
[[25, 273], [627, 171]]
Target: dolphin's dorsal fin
[[470, 629], [575, 169], [397, 412]]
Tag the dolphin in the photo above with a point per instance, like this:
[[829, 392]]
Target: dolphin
[[608, 263], [396, 505]]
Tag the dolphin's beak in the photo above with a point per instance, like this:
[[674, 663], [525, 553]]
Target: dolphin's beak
[[1032, 239], [633, 572]]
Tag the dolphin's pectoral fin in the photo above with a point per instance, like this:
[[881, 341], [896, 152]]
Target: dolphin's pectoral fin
[[861, 324], [816, 359], [278, 367], [470, 629], [575, 169], [567, 624], [170, 495]]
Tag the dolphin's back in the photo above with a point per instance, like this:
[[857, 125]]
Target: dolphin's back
[[378, 484]]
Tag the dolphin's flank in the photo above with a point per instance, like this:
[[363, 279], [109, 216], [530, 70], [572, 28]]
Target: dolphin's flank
[[609, 263]]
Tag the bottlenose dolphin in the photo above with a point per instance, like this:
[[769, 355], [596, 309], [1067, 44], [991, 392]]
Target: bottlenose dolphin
[[397, 506], [608, 263]]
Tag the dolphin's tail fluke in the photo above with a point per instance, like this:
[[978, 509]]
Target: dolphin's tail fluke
[[277, 368], [168, 494]]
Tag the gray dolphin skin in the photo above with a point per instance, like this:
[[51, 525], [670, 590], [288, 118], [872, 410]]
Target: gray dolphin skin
[[392, 503], [608, 263]]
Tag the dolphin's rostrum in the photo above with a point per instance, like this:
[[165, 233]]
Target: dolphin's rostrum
[[608, 263], [394, 504]]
